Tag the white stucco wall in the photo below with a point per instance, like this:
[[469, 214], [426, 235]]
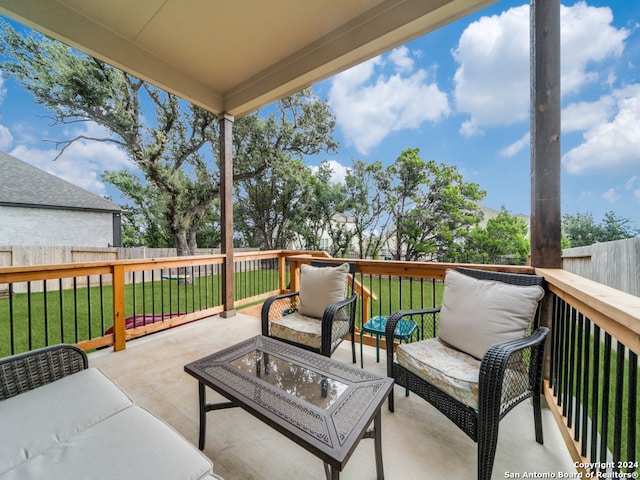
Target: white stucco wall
[[46, 226]]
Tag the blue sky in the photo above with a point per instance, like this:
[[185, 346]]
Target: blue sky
[[461, 95]]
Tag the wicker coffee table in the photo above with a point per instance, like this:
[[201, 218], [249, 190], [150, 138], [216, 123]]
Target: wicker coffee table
[[323, 405]]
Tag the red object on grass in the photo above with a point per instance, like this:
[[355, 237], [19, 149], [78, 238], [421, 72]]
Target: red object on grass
[[142, 320]]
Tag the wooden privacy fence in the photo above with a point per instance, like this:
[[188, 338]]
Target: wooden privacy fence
[[615, 264], [27, 256]]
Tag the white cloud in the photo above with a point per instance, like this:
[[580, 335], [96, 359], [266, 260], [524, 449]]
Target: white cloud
[[401, 58], [587, 37], [27, 133], [81, 163], [516, 146], [492, 82], [611, 145], [338, 171], [611, 195], [581, 116], [630, 183], [6, 139], [369, 103]]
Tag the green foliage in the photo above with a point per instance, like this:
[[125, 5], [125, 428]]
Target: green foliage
[[581, 229], [319, 206], [283, 197], [431, 207], [504, 239], [166, 141], [366, 205], [267, 206]]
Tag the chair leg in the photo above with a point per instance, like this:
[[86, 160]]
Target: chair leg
[[353, 348], [487, 443], [537, 418], [391, 408]]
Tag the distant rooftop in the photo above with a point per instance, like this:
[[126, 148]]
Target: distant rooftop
[[491, 213], [23, 185]]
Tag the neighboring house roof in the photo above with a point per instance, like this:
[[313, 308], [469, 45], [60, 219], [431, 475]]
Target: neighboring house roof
[[491, 213], [23, 185]]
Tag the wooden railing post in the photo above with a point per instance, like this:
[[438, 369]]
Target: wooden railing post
[[119, 331], [282, 264], [226, 212], [546, 320], [294, 275]]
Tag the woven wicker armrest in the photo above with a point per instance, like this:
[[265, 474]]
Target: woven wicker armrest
[[343, 310], [496, 358], [496, 361], [274, 307], [390, 329], [332, 310], [26, 371]]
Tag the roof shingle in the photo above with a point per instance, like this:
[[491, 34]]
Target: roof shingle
[[22, 184]]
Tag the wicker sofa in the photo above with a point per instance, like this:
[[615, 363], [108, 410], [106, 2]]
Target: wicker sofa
[[61, 419]]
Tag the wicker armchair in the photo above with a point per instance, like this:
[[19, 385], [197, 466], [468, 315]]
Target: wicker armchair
[[285, 317], [508, 373], [26, 371]]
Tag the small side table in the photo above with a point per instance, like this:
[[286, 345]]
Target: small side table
[[376, 326]]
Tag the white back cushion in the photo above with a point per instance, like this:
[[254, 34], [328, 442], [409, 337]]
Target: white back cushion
[[321, 287], [478, 313]]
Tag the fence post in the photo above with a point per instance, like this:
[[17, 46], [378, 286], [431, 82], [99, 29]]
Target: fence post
[[119, 330]]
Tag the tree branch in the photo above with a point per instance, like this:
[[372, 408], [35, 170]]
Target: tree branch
[[67, 143]]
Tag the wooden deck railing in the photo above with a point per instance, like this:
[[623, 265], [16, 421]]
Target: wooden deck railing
[[592, 381], [101, 304], [592, 367]]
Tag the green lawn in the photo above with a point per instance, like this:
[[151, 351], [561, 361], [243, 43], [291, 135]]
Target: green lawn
[[403, 294], [84, 313], [76, 315]]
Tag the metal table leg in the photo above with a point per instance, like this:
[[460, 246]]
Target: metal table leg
[[203, 415]]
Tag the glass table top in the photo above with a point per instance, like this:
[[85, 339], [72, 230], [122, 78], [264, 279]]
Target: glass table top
[[304, 383]]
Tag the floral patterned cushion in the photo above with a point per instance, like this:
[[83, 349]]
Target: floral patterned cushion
[[455, 373], [304, 330]]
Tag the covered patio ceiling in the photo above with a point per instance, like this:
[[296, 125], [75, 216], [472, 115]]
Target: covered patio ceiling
[[235, 56]]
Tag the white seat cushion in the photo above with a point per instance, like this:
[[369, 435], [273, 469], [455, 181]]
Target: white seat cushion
[[321, 287], [38, 419], [476, 314], [132, 445]]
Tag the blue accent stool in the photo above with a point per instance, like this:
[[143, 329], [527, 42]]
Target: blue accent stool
[[376, 326]]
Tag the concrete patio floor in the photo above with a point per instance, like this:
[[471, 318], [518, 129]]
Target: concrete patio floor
[[418, 441]]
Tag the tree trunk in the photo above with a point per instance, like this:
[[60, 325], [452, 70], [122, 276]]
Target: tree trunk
[[184, 249]]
